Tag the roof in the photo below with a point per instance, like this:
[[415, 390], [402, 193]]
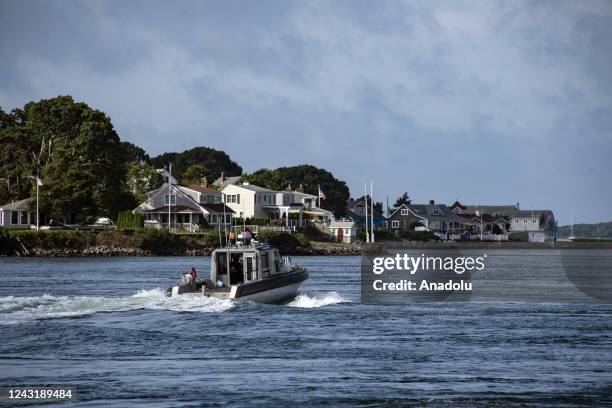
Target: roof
[[532, 213], [227, 181], [200, 189], [17, 205], [255, 188], [217, 208], [175, 209], [427, 211], [341, 224], [487, 218], [492, 209], [356, 217]]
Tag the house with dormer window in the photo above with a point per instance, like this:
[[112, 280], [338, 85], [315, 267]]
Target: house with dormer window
[[184, 207], [430, 217]]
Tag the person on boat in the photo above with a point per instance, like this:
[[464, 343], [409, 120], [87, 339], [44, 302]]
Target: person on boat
[[194, 274], [232, 238], [246, 236]]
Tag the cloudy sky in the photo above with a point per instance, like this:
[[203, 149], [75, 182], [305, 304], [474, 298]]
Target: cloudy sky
[[480, 101]]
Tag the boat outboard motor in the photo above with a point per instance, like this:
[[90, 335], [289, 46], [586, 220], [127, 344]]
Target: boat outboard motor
[[186, 279]]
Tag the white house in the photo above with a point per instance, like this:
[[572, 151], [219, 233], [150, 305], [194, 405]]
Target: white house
[[185, 207], [17, 215], [343, 231], [248, 200], [539, 225]]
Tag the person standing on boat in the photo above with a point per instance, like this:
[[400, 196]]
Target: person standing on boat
[[232, 237], [246, 236], [194, 274]]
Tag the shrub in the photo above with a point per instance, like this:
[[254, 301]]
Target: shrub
[[285, 242], [130, 220], [302, 239], [55, 239], [252, 221], [8, 244]]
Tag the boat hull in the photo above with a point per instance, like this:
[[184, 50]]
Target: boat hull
[[275, 289]]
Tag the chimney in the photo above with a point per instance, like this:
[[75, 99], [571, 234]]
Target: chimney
[[222, 178], [288, 188], [517, 206], [431, 202], [204, 182], [300, 189]]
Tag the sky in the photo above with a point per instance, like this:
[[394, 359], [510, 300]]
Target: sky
[[478, 101]]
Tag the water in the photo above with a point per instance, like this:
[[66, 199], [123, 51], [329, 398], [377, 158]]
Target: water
[[105, 327]]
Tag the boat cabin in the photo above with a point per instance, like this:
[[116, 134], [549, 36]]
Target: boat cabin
[[238, 265]]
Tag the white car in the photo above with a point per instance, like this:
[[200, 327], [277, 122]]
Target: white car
[[103, 221]]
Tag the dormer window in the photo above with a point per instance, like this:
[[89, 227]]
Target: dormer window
[[435, 211], [404, 211], [169, 199]]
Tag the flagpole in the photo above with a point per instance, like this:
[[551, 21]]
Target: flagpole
[[37, 212], [372, 208], [365, 198]]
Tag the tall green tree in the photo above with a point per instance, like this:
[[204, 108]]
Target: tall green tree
[[75, 150], [215, 162], [142, 178], [194, 174], [401, 200]]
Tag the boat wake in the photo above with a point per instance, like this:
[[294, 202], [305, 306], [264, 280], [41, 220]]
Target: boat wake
[[16, 309], [316, 299]]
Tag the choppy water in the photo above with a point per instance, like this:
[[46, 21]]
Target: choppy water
[[105, 327]]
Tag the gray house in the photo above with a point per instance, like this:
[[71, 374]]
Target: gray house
[[17, 214], [431, 217], [184, 207]]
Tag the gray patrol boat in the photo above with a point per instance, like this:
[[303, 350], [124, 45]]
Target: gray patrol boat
[[255, 272]]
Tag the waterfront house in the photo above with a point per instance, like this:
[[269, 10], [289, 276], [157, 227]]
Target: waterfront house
[[187, 207], [533, 225], [433, 217], [17, 214], [355, 211], [343, 231], [289, 207]]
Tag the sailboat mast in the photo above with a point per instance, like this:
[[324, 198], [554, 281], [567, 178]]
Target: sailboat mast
[[365, 198]]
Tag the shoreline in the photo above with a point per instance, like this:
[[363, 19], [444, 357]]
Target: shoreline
[[316, 248]]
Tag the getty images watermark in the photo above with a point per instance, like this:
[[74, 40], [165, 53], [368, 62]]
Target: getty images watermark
[[391, 274]]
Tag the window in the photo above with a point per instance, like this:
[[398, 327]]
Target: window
[[238, 199], [524, 221], [404, 211], [169, 199], [435, 211], [14, 217], [395, 224], [24, 217], [534, 221], [516, 221]]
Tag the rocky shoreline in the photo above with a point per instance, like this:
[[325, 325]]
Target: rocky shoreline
[[315, 249]]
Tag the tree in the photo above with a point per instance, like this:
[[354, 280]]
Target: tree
[[194, 174], [133, 153], [404, 199], [215, 161], [74, 149], [310, 177], [142, 178]]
